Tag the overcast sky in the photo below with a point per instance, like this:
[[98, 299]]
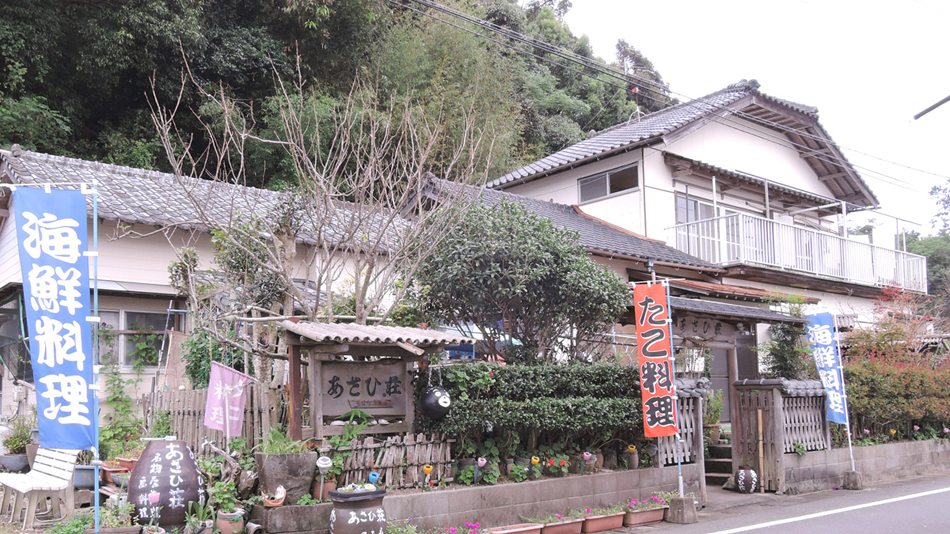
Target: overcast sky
[[868, 66]]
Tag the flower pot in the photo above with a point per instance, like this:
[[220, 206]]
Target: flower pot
[[115, 530], [633, 460], [569, 526], [644, 517], [84, 477], [108, 472], [747, 480], [366, 506], [121, 479], [522, 528], [328, 485], [203, 527], [715, 432], [15, 462], [600, 523], [230, 523], [152, 530], [128, 463], [509, 465]]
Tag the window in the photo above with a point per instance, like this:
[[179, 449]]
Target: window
[[132, 338], [609, 183]]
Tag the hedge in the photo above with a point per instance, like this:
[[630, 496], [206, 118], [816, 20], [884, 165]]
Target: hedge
[[564, 407], [884, 395]]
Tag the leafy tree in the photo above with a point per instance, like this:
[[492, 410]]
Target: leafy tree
[[520, 280], [937, 251], [785, 354]]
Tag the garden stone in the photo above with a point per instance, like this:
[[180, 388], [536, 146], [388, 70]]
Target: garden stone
[[853, 480], [682, 511]]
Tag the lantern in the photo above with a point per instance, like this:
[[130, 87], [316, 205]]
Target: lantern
[[436, 403]]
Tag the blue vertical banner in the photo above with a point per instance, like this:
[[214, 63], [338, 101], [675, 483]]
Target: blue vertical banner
[[52, 239], [824, 349]]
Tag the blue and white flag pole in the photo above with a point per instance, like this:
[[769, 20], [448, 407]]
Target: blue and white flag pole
[[826, 351], [52, 242]]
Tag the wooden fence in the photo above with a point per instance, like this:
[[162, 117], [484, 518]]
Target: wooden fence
[[264, 409], [768, 423], [398, 459], [691, 431]]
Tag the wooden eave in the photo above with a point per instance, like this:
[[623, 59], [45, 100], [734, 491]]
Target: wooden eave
[[801, 281], [780, 196]]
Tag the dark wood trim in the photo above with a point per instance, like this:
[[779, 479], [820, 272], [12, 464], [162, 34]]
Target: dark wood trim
[[294, 424], [801, 281]]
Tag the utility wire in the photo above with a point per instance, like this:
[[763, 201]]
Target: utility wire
[[645, 84]]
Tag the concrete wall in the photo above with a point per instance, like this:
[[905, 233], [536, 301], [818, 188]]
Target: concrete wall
[[508, 504], [823, 470]]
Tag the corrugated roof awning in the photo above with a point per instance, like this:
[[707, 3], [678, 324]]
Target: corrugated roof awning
[[364, 335]]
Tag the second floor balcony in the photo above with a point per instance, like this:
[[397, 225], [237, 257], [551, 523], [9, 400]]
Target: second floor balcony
[[740, 239]]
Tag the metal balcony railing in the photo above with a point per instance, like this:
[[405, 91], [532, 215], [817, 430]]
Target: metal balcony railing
[[750, 240]]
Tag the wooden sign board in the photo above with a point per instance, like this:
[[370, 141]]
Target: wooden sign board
[[691, 326], [377, 388]]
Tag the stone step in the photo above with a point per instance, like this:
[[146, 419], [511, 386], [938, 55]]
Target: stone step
[[718, 465], [716, 480], [720, 451]]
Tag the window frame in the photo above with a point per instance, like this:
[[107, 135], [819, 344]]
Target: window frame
[[606, 176], [122, 339]]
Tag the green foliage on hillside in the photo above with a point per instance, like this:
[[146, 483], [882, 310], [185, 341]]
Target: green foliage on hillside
[[74, 76]]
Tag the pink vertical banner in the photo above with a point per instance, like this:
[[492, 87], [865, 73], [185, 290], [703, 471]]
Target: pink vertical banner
[[226, 399]]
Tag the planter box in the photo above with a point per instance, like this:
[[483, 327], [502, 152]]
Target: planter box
[[84, 477], [571, 526], [128, 463], [600, 523], [292, 518], [107, 473], [644, 517], [14, 462], [523, 528], [115, 530]]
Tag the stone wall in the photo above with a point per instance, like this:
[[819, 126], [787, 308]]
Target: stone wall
[[503, 504], [507, 504], [821, 470]]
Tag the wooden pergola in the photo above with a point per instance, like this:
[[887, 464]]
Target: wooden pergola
[[379, 351]]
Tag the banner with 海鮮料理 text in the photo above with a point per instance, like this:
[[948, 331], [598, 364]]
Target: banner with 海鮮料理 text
[[51, 234], [824, 349]]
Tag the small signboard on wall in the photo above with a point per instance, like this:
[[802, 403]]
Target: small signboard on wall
[[704, 328], [377, 388]]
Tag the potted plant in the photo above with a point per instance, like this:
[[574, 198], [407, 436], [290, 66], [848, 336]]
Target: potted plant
[[601, 519], [712, 411], [15, 444], [200, 518], [282, 461], [521, 528], [108, 470], [646, 511], [230, 518], [116, 520], [559, 524]]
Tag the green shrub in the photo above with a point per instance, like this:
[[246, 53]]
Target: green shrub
[[884, 395]]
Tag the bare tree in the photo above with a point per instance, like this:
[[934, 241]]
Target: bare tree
[[352, 213]]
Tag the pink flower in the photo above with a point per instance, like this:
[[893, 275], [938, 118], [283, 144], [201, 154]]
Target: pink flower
[[946, 430], [452, 530], [559, 516], [867, 432], [588, 510], [916, 428]]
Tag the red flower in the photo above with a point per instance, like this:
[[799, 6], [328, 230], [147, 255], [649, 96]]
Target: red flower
[[432, 483], [563, 462], [550, 461]]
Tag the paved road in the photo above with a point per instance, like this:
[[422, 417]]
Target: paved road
[[913, 505]]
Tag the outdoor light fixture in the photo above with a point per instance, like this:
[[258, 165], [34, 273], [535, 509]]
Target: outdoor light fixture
[[324, 463]]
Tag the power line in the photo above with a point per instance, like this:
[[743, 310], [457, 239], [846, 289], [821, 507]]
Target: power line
[[645, 84]]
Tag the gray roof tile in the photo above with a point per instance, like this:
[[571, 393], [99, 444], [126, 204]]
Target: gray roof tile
[[709, 307], [160, 199]]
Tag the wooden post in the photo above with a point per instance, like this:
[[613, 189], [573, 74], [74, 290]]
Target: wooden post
[[778, 438], [699, 455], [316, 394], [735, 416], [294, 424]]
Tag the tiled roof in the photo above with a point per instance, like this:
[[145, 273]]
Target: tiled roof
[[358, 334], [731, 291], [155, 198], [630, 134], [734, 311], [841, 177], [594, 235]]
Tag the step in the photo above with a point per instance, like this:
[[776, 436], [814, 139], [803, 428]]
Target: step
[[718, 465], [720, 451], [716, 480]]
